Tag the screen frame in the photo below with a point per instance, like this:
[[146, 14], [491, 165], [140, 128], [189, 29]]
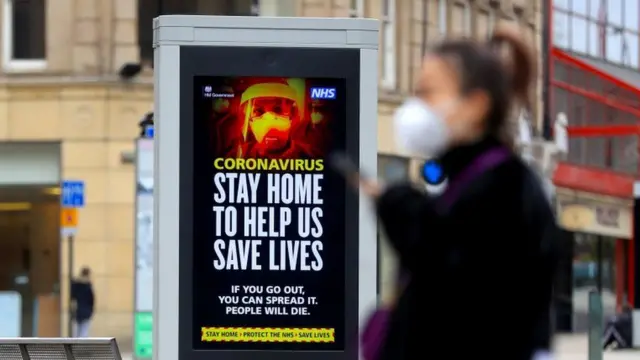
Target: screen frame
[[267, 62], [321, 284]]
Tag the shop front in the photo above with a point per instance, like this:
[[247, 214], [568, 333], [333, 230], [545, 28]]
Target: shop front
[[594, 184], [599, 230], [593, 81]]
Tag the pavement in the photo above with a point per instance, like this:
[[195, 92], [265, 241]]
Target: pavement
[[567, 347], [574, 347]]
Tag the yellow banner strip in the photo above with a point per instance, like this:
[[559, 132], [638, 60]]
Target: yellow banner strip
[[248, 334]]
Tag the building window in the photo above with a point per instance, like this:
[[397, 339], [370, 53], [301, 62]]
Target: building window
[[389, 44], [467, 19], [482, 27], [442, 17], [255, 8], [492, 22], [24, 35], [149, 9], [605, 29], [356, 8], [461, 19]]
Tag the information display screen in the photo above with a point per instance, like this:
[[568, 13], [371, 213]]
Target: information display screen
[[269, 215]]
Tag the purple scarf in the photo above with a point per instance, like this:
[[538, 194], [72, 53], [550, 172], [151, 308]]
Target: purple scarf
[[375, 330]]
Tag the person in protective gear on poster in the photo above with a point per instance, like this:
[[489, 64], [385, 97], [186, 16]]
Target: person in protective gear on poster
[[274, 125], [480, 258]]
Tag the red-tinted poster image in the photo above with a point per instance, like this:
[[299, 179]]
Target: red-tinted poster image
[[257, 117]]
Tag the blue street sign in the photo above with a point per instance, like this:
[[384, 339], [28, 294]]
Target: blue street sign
[[72, 193], [433, 173], [148, 132]]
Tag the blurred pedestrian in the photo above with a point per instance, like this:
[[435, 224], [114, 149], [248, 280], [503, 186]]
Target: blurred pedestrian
[[83, 299], [618, 330], [479, 258]]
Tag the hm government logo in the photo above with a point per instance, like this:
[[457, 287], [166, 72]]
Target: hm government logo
[[207, 92], [323, 93]]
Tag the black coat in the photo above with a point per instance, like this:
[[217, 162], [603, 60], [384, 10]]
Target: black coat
[[481, 273], [82, 293]]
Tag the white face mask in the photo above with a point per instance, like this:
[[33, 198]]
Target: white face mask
[[420, 129]]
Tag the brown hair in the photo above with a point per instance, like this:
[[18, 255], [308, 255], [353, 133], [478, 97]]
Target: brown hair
[[85, 271], [507, 80]]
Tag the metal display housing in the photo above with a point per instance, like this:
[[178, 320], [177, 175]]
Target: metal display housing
[[186, 46]]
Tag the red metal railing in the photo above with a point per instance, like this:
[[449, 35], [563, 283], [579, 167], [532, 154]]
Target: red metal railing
[[608, 92], [603, 114]]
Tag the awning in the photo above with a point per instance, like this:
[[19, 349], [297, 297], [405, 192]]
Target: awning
[[623, 77], [626, 75], [595, 181]]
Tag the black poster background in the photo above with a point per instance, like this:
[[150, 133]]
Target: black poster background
[[208, 283]]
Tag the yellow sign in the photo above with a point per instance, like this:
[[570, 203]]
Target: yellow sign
[[247, 334], [576, 217], [591, 216], [69, 217]]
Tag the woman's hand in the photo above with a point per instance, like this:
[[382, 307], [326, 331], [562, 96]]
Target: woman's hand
[[371, 188]]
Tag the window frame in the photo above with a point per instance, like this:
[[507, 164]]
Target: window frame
[[443, 17], [388, 80], [358, 11], [598, 22], [255, 8], [491, 18], [8, 62], [468, 22]]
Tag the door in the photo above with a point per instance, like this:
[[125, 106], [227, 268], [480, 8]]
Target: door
[[563, 287]]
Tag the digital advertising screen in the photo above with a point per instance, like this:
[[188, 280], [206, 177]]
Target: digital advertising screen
[[269, 215]]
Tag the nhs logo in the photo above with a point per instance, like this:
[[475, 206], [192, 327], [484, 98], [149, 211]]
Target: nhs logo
[[323, 93]]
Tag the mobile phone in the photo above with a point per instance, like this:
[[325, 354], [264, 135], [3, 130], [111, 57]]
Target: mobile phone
[[345, 166]]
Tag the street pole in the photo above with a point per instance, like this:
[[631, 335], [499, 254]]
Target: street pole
[[70, 239], [595, 325]]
